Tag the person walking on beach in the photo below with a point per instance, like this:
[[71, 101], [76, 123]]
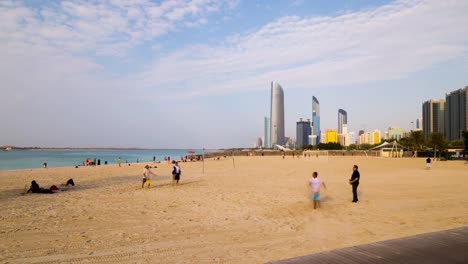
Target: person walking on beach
[[315, 184], [354, 181], [119, 160], [44, 165], [428, 163], [147, 177], [176, 171]]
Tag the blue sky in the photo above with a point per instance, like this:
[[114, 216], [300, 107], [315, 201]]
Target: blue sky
[[191, 74]]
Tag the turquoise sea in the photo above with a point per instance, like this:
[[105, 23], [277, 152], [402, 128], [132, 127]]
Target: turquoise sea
[[30, 159]]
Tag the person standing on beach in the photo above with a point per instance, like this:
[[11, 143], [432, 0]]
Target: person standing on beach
[[354, 181], [176, 171], [428, 163], [147, 177], [315, 184], [119, 160], [44, 165]]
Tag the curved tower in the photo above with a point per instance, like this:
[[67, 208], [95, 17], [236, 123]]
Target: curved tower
[[342, 120], [277, 115], [316, 132]]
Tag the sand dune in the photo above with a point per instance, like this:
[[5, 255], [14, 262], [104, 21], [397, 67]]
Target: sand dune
[[256, 212]]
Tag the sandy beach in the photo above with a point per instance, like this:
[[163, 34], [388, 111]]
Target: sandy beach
[[258, 211]]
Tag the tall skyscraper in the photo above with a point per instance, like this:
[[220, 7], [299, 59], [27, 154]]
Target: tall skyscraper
[[266, 141], [433, 117], [456, 113], [342, 120], [316, 133], [303, 130], [277, 114]]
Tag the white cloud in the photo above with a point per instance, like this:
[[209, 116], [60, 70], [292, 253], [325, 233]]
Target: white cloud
[[49, 56], [99, 27], [385, 43]]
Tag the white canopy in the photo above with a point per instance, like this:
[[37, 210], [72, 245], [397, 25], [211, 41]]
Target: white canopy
[[393, 145]]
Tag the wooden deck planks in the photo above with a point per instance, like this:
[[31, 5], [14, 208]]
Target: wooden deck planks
[[450, 246]]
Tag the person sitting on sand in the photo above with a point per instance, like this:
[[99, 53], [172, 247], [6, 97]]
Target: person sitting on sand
[[64, 186], [146, 177], [36, 189]]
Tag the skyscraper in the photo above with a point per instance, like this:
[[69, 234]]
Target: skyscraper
[[433, 117], [316, 133], [419, 123], [342, 120], [266, 141], [277, 115], [456, 113], [303, 130]]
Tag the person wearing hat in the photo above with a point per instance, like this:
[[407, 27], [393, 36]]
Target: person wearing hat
[[146, 177]]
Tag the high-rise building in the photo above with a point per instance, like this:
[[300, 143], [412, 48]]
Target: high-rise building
[[456, 113], [352, 138], [396, 133], [433, 117], [316, 133], [277, 115], [266, 137], [342, 120], [370, 137], [419, 123], [303, 130], [259, 142], [375, 137], [331, 136]]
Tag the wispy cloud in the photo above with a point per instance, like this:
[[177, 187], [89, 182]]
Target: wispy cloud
[[52, 57], [104, 28], [385, 43]]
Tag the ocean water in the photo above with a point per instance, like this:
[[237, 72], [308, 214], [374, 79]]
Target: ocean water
[[30, 159]]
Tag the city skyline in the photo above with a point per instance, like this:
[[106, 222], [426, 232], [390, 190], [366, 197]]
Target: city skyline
[[196, 74]]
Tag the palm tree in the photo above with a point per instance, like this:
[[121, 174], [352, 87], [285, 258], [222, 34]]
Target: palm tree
[[465, 140], [438, 141], [417, 139]]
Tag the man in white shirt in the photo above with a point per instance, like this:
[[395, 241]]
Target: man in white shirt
[[315, 184]]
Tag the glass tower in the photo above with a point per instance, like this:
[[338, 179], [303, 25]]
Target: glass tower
[[303, 131], [315, 137], [342, 120]]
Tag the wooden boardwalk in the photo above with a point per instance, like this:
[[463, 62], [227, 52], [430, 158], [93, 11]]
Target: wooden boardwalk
[[450, 246]]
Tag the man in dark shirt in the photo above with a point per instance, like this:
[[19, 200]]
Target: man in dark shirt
[[354, 181]]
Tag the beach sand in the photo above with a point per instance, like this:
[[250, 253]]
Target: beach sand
[[258, 211]]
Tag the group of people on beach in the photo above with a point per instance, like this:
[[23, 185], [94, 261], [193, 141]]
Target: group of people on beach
[[315, 184], [35, 188], [176, 172]]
